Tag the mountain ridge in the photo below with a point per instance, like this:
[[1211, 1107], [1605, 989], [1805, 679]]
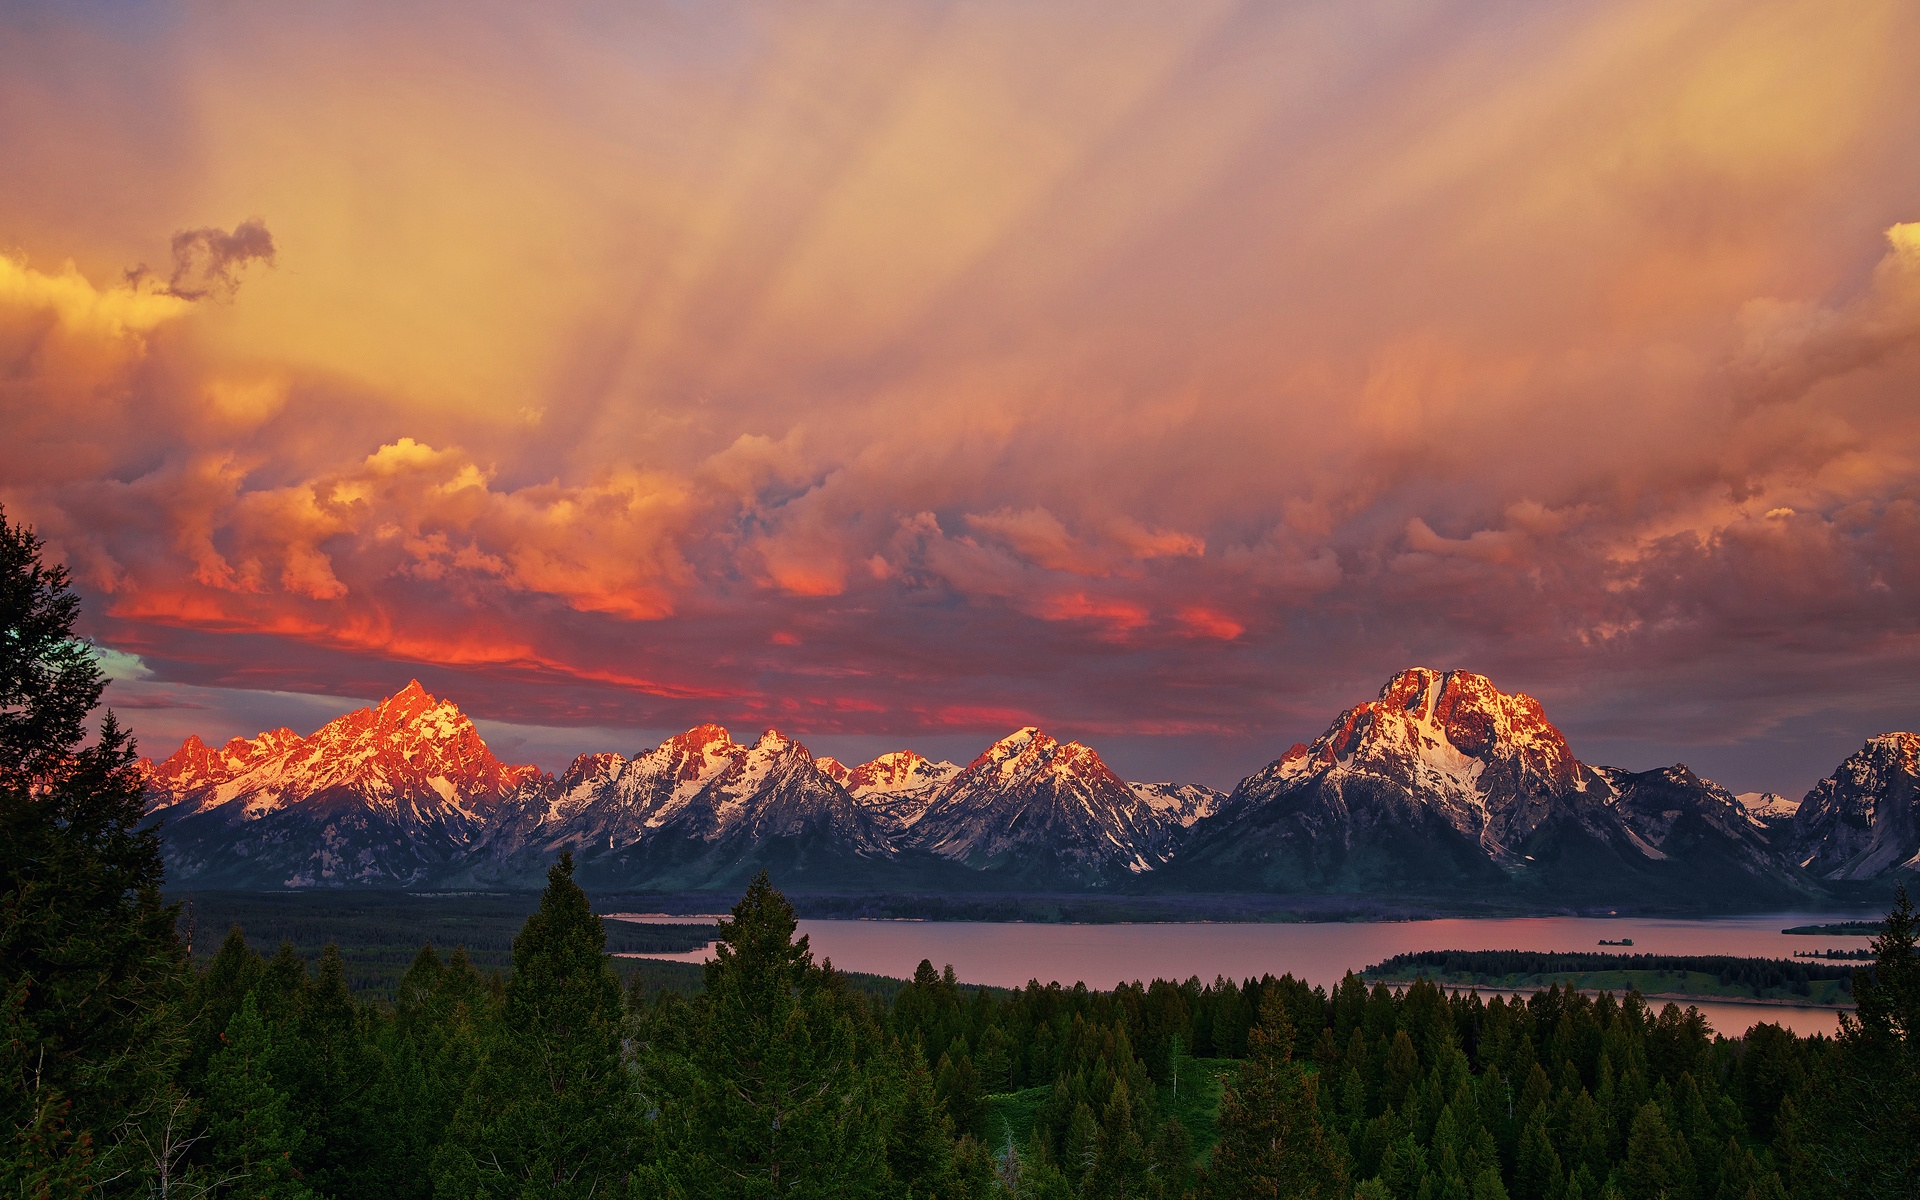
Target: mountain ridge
[[1441, 784]]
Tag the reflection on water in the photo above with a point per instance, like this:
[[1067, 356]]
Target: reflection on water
[[1008, 955]]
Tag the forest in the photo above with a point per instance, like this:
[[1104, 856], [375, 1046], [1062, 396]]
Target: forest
[[1677, 974], [130, 1072]]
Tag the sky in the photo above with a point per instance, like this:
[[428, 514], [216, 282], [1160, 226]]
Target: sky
[[899, 374]]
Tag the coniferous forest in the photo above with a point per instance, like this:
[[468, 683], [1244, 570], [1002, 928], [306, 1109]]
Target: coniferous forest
[[131, 1073]]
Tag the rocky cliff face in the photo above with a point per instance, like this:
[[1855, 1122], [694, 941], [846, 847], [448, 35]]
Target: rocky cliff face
[[1039, 811], [1445, 784], [1440, 784], [1863, 821], [384, 795], [895, 788]]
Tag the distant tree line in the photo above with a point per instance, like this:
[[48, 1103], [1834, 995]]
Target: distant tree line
[[1760, 974], [127, 1072]]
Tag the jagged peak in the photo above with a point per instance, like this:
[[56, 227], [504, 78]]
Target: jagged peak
[[408, 701], [601, 765], [699, 740], [898, 770], [1021, 741], [892, 763], [1904, 745], [834, 769]]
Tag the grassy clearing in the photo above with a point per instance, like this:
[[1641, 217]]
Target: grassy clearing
[[1196, 1103]]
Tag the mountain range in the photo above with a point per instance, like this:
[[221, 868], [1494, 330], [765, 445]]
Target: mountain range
[[1441, 786]]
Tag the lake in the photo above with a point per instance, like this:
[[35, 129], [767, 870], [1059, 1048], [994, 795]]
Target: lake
[[1008, 955]]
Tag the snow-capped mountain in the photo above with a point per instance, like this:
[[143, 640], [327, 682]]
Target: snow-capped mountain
[[697, 808], [895, 788], [387, 794], [1768, 807], [1445, 783], [1180, 803], [1442, 783], [1863, 821], [1041, 811]]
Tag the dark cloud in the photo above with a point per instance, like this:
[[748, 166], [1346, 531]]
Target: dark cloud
[[207, 262]]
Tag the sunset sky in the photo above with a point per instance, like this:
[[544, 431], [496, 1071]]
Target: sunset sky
[[899, 374]]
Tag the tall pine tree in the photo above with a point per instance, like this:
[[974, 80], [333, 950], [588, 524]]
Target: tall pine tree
[[548, 1112], [255, 1137], [92, 978], [772, 1098], [1271, 1143], [1871, 1119]]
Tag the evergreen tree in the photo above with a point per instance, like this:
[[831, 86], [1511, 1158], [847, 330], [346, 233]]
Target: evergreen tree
[[338, 1069], [217, 996], [1871, 1118], [92, 977], [1120, 1157], [1271, 1143], [1653, 1168], [958, 1086], [1170, 1161], [428, 1052], [774, 1098], [1082, 1145], [255, 1137], [1537, 1173], [547, 1113], [920, 1140]]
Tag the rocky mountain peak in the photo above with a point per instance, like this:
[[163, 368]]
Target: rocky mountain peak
[[197, 765], [833, 769], [1863, 821], [900, 770], [1027, 751], [406, 704], [1452, 722]]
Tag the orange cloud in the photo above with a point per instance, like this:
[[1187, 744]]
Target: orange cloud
[[983, 354]]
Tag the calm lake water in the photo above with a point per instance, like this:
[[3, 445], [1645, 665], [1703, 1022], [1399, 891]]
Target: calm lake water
[[1008, 955]]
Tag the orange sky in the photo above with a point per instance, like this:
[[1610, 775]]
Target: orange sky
[[1168, 375]]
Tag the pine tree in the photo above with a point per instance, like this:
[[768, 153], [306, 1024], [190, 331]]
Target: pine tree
[[958, 1086], [217, 996], [255, 1137], [548, 1112], [920, 1137], [339, 1066], [1870, 1127], [1271, 1143], [773, 1098], [1653, 1169], [1537, 1173], [1082, 1144], [92, 977], [1120, 1157]]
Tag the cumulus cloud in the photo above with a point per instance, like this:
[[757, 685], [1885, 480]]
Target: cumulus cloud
[[897, 378]]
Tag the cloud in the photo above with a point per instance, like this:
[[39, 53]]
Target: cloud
[[890, 370], [207, 262]]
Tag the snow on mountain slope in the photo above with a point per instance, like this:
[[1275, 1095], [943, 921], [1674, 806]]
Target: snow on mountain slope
[[411, 755], [1863, 821], [1180, 803], [1044, 810], [1768, 806], [1487, 762], [1445, 783], [896, 788], [379, 794], [700, 786]]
